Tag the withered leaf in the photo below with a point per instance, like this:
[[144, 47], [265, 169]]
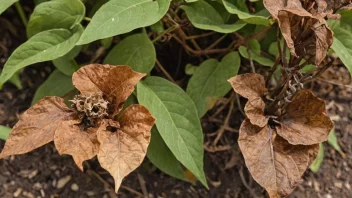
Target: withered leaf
[[70, 139], [254, 110], [116, 83], [305, 121], [123, 145], [251, 85], [36, 126], [273, 162], [273, 6]]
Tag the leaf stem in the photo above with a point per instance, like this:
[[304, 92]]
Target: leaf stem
[[21, 13], [87, 19], [172, 28], [164, 71]]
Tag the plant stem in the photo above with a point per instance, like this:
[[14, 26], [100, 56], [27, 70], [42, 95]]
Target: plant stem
[[172, 28], [164, 71], [21, 13], [87, 19]]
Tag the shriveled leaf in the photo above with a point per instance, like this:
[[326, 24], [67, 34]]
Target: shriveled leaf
[[4, 132], [248, 18], [114, 82], [136, 51], [254, 110], [161, 156], [36, 126], [273, 162], [4, 4], [249, 85], [42, 47], [305, 121], [123, 145], [317, 162], [203, 16], [121, 16], [50, 87], [55, 14], [176, 120], [273, 6], [210, 81], [72, 140]]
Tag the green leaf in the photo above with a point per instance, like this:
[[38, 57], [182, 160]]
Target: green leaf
[[136, 51], [55, 14], [42, 47], [122, 16], [106, 43], [161, 156], [317, 162], [342, 43], [15, 80], [57, 84], [67, 64], [4, 132], [203, 16], [209, 82], [4, 4], [176, 120], [255, 51], [248, 18], [332, 140], [191, 69], [157, 27]]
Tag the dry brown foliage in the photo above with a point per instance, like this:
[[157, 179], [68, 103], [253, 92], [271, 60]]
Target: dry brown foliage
[[277, 150], [90, 128]]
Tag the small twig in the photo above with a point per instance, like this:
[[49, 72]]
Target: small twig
[[21, 13], [107, 186], [306, 79], [226, 123], [249, 188], [164, 71], [169, 30], [142, 184], [250, 59], [216, 42]]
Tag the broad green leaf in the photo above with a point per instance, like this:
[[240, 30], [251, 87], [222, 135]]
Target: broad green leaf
[[176, 120], [203, 16], [57, 84], [136, 51], [157, 27], [248, 18], [121, 16], [4, 4], [37, 2], [209, 82], [317, 162], [342, 43], [67, 64], [332, 140], [256, 57], [55, 14], [4, 132], [44, 46], [161, 156]]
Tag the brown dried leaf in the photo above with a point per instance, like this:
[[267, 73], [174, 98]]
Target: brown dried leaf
[[70, 139], [36, 126], [273, 6], [123, 150], [254, 110], [273, 162], [116, 83], [249, 85], [305, 121]]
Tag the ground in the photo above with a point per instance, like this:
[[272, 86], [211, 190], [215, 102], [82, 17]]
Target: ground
[[44, 173]]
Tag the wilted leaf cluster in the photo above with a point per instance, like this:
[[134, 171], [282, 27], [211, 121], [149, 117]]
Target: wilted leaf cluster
[[90, 128], [277, 150]]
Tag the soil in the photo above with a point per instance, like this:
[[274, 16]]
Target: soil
[[44, 173]]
